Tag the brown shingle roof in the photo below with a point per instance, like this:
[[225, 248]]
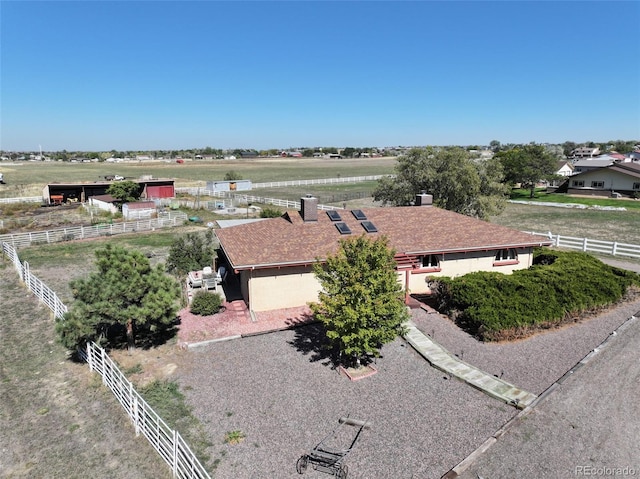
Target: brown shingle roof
[[419, 230]]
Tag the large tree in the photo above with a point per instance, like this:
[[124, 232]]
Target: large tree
[[124, 191], [457, 183], [125, 295], [528, 165], [361, 302]]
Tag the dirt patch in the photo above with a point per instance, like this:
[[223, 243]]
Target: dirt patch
[[143, 366]]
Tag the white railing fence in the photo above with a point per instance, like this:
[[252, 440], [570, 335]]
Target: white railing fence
[[23, 199], [168, 442], [237, 198], [321, 181], [590, 245], [21, 240]]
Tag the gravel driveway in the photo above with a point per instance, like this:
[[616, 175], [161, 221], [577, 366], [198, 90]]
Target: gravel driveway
[[276, 390], [285, 397], [588, 426]]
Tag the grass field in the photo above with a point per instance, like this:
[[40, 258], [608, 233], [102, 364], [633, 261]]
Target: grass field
[[28, 179], [56, 418], [620, 226]]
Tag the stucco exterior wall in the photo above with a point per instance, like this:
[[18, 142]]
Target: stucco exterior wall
[[278, 288], [459, 264], [281, 287]]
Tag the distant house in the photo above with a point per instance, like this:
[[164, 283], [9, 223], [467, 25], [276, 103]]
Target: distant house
[[565, 168], [273, 259], [585, 152], [616, 179]]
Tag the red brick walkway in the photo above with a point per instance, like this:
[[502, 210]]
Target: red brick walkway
[[236, 320]]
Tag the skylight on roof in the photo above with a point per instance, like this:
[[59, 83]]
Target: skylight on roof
[[343, 228], [359, 214], [334, 215], [369, 227]]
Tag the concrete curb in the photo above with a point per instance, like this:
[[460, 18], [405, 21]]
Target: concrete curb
[[209, 341], [443, 360]]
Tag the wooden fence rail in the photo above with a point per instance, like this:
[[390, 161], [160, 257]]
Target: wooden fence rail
[[166, 441]]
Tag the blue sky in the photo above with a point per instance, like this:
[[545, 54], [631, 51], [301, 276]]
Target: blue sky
[[141, 75]]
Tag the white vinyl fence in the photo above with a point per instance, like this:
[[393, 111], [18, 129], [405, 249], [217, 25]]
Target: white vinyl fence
[[240, 198], [23, 199], [321, 181], [168, 442], [21, 240], [590, 245]]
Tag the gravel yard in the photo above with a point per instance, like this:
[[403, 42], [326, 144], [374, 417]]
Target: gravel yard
[[533, 363], [285, 398]]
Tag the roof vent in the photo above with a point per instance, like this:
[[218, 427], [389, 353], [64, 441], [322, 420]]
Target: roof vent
[[309, 208]]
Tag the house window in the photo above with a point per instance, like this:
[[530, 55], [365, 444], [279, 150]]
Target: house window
[[430, 261], [636, 186], [597, 184], [578, 183], [506, 256]]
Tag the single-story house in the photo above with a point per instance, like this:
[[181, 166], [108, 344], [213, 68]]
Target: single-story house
[[620, 178], [273, 259]]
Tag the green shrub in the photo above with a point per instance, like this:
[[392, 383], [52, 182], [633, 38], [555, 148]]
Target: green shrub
[[558, 286], [270, 212], [205, 303]]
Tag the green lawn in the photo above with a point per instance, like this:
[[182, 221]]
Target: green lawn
[[541, 195]]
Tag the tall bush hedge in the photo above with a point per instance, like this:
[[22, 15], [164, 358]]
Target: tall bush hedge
[[559, 285]]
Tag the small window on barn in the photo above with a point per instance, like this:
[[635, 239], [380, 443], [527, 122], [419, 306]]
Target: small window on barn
[[578, 183], [597, 184], [506, 256], [636, 186], [430, 261]]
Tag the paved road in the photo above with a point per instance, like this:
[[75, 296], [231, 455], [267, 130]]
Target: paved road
[[622, 264], [588, 426]]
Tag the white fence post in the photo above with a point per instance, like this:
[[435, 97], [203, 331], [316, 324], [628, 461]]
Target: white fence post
[[175, 452], [134, 403], [90, 356]]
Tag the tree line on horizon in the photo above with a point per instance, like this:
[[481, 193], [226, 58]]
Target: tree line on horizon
[[620, 146]]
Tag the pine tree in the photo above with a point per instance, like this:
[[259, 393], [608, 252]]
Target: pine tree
[[125, 292], [361, 302]]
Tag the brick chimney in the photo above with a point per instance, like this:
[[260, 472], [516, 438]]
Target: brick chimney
[[423, 199], [309, 208]]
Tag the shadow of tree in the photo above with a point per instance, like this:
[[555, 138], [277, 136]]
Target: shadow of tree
[[312, 340]]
